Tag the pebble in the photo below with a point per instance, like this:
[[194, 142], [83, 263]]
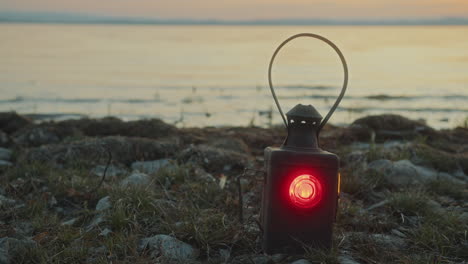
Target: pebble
[[301, 261], [151, 167], [5, 154], [103, 204], [346, 259], [169, 247], [135, 179], [4, 164]]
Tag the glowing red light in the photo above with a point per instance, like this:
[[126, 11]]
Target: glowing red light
[[305, 191]]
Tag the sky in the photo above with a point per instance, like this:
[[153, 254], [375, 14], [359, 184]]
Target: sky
[[250, 9]]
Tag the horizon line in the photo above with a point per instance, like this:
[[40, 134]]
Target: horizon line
[[86, 18]]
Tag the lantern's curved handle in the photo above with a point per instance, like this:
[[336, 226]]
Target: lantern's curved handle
[[345, 68]]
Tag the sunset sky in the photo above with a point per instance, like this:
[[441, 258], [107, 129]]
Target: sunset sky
[[250, 9]]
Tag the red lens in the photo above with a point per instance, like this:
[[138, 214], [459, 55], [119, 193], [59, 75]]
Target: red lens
[[305, 191]]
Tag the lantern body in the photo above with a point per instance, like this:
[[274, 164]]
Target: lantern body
[[300, 198]]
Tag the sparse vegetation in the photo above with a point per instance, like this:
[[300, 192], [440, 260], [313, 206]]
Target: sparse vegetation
[[50, 204]]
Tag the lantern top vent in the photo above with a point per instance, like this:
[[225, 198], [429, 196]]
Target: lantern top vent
[[304, 111]]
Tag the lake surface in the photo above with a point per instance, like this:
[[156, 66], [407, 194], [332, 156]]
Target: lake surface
[[217, 75]]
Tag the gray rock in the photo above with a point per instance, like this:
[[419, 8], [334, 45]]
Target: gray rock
[[254, 259], [23, 229], [125, 150], [278, 257], [463, 217], [5, 164], [5, 154], [449, 177], [112, 171], [403, 172], [169, 247], [136, 179], [213, 159], [6, 202], [105, 232], [357, 156], [11, 247], [346, 259], [4, 139], [397, 232], [151, 167], [103, 204], [98, 219], [435, 206], [261, 259], [69, 222], [301, 261], [380, 165], [225, 254], [388, 241], [36, 136]]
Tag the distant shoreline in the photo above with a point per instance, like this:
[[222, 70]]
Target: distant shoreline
[[8, 17]]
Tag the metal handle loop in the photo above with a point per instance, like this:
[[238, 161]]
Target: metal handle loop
[[345, 68]]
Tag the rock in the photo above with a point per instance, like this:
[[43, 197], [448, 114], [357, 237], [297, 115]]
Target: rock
[[23, 229], [403, 172], [110, 126], [224, 254], [228, 143], [386, 127], [463, 217], [380, 165], [169, 247], [278, 257], [398, 233], [4, 139], [5, 154], [136, 179], [69, 222], [11, 122], [12, 247], [98, 219], [346, 259], [103, 204], [123, 150], [36, 136], [105, 232], [5, 164], [6, 202], [301, 261], [201, 174], [151, 167], [355, 160], [214, 159], [253, 259], [112, 171], [389, 242]]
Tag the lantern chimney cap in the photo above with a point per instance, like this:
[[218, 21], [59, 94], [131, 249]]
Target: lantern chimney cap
[[304, 111]]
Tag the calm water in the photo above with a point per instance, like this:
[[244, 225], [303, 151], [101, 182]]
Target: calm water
[[217, 75]]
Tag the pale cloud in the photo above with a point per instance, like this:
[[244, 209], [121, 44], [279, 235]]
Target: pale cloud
[[250, 9]]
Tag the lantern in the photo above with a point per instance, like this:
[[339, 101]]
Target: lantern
[[301, 186]]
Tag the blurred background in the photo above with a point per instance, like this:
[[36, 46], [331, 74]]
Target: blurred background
[[204, 63]]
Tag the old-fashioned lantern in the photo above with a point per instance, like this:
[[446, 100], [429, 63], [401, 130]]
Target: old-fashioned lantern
[[301, 187]]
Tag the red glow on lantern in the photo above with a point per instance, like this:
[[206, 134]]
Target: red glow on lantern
[[305, 191]]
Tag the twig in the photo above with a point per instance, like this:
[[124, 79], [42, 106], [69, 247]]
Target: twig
[[241, 200], [105, 171]]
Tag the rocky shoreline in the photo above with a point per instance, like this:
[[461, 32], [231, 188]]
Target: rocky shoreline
[[105, 190]]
